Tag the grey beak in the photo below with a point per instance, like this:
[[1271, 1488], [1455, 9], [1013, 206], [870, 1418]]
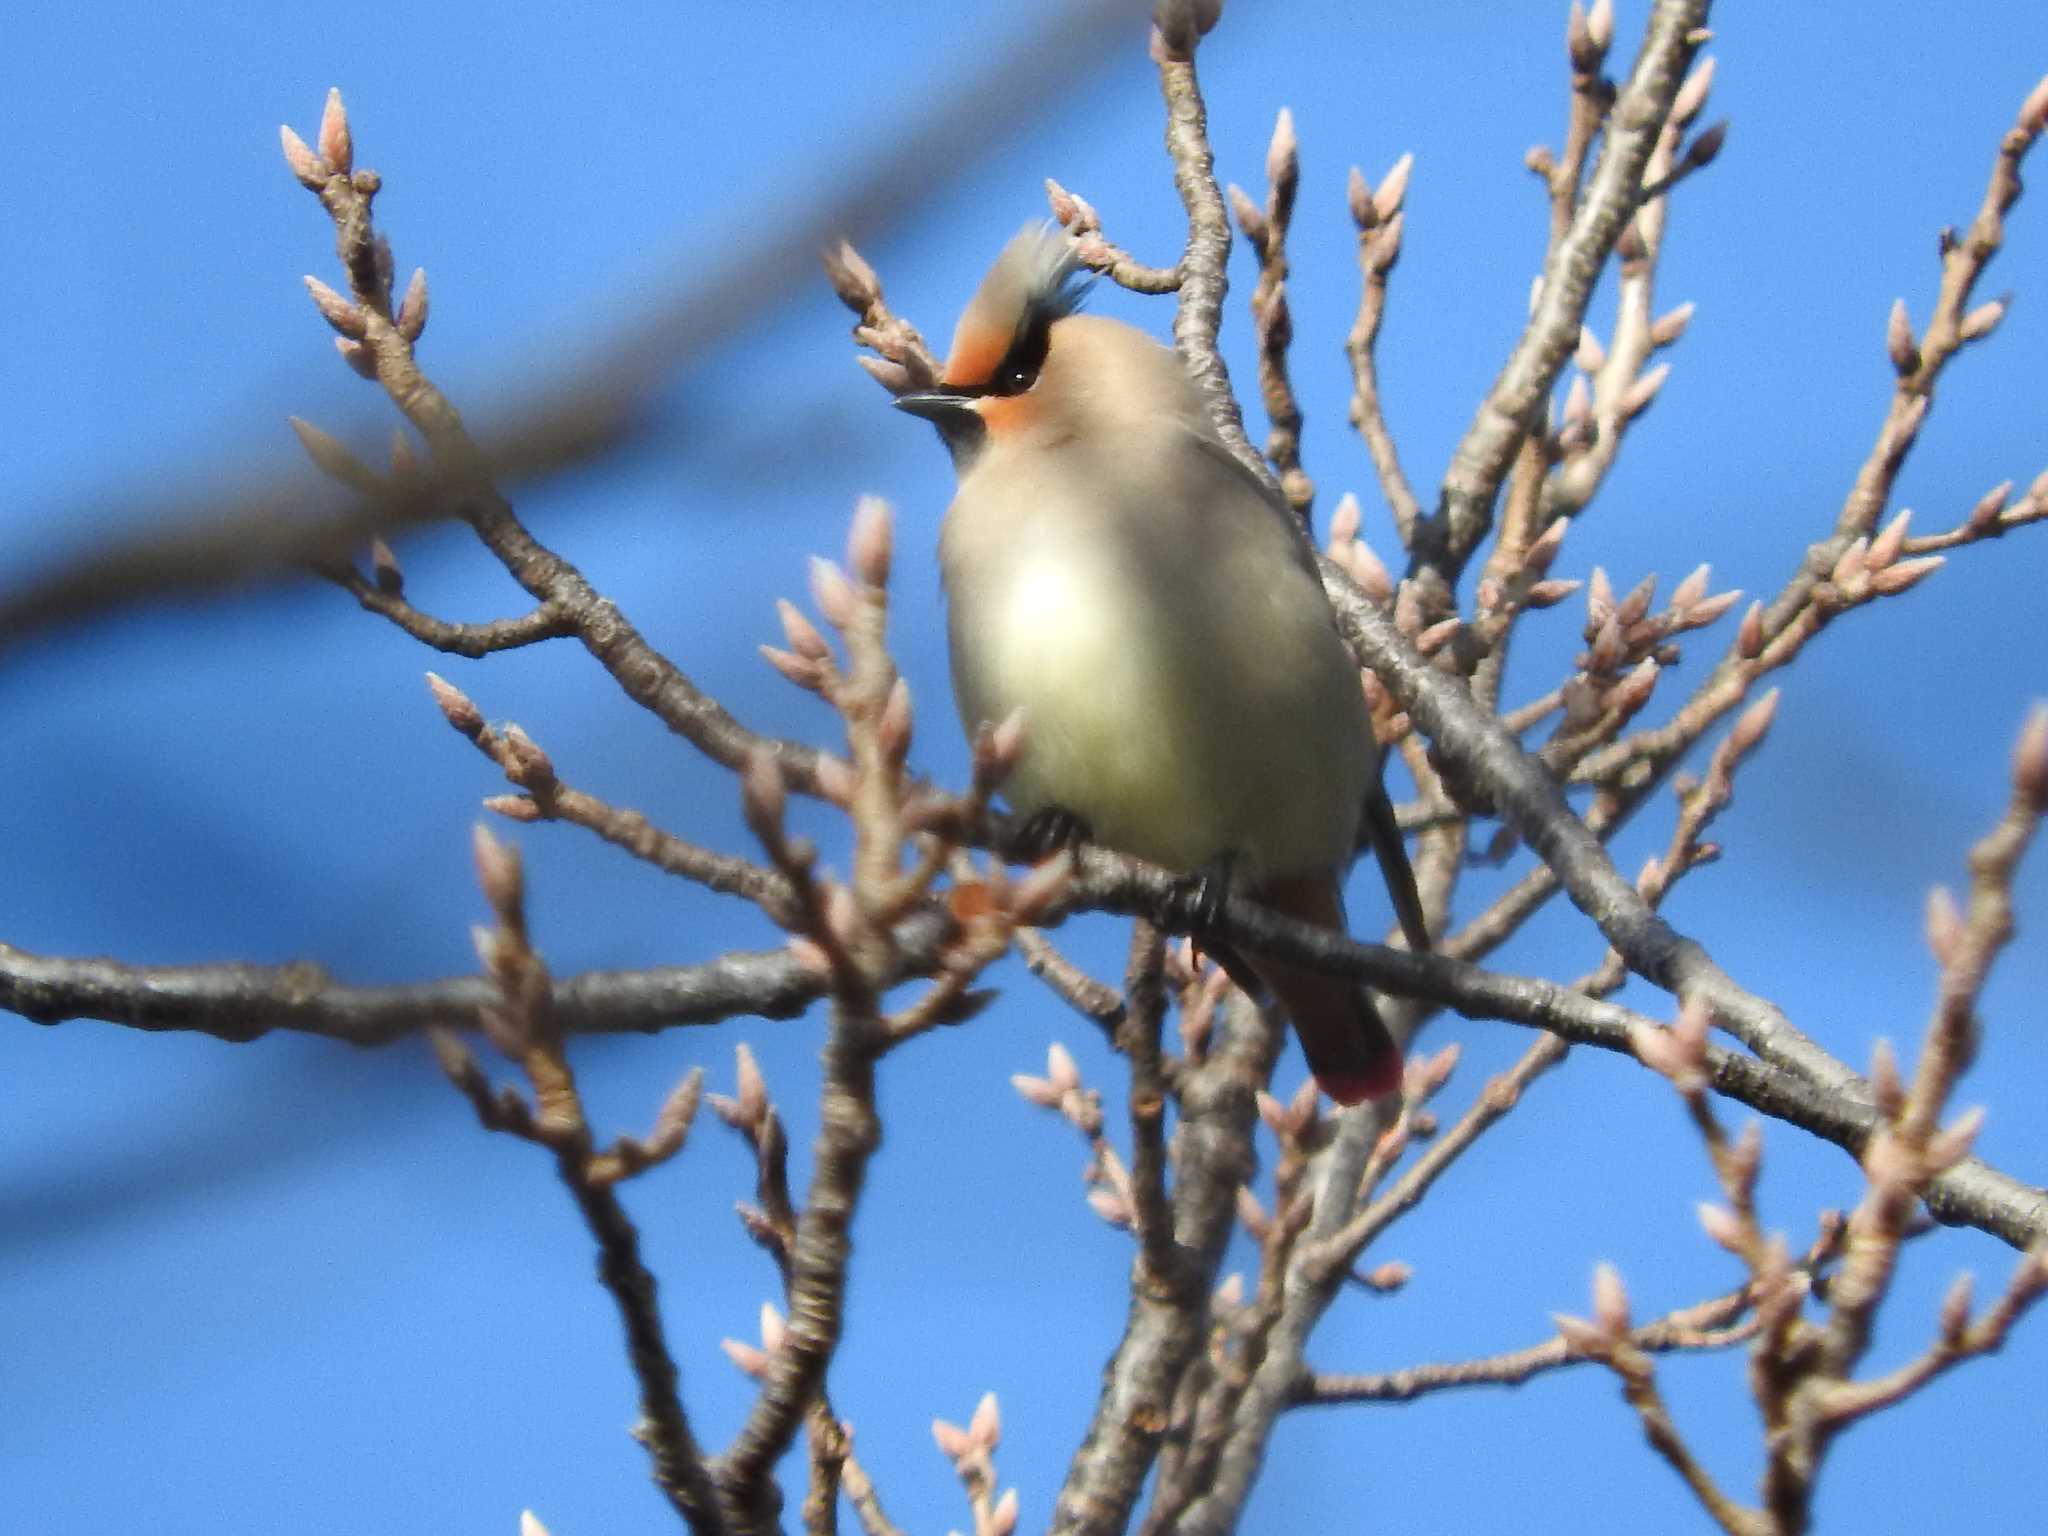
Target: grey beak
[[939, 406]]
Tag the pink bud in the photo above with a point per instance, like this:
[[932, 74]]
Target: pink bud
[[1631, 609], [1636, 399], [2030, 761], [842, 913], [1230, 1293], [1898, 339], [1546, 545], [525, 763], [1945, 931], [1670, 326], [894, 728], [1851, 564], [1393, 188], [1002, 1520], [1384, 248], [1692, 95], [833, 593], [1110, 1206], [985, 1429], [1954, 1316], [1548, 594], [1982, 320], [498, 870], [1044, 889], [1249, 218], [772, 1330], [751, 1095], [336, 310], [802, 672], [512, 808], [2034, 110], [1060, 1070], [893, 377], [1369, 572], [1438, 635], [837, 781], [1951, 1144], [1692, 589], [951, 1439], [869, 545], [1580, 1336], [336, 147], [1749, 639], [800, 632], [1599, 598], [309, 168], [1884, 549], [1035, 1090], [750, 1361], [1887, 1091], [1897, 578], [332, 457], [456, 706], [1722, 1226], [1273, 1113], [412, 311], [810, 956], [1344, 520], [1989, 505], [1357, 193], [1250, 1214], [1600, 24], [1281, 154], [1753, 722], [361, 360], [1006, 742], [1610, 1301], [1591, 356]]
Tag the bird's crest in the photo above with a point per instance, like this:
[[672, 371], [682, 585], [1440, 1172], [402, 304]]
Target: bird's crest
[[1036, 280]]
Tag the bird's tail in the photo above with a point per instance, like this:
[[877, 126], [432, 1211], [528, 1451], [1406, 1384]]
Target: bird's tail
[[1349, 1049]]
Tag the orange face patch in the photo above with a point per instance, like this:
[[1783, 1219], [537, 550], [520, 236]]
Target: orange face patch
[[1006, 413]]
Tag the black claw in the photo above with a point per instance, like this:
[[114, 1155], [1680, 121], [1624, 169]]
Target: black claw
[[1048, 830], [1197, 900]]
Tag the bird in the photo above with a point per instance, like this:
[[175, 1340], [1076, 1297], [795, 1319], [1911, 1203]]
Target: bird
[[1111, 569]]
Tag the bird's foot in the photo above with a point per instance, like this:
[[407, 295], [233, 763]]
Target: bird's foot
[[1048, 830], [1195, 904]]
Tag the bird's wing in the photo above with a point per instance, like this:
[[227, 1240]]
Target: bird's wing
[[1382, 831]]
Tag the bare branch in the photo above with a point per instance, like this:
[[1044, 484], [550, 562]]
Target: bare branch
[[1446, 540]]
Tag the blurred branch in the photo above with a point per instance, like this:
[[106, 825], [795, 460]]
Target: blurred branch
[[268, 533]]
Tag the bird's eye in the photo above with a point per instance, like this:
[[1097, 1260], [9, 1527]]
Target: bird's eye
[[1015, 379]]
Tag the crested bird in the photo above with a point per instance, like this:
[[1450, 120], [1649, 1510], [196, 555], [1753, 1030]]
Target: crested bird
[[1112, 569]]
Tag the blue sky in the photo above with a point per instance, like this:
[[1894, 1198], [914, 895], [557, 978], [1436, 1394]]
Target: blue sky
[[292, 1286]]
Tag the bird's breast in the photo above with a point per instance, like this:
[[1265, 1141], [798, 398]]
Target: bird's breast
[[1175, 699]]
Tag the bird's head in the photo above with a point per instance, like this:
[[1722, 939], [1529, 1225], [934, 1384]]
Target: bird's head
[[1027, 370]]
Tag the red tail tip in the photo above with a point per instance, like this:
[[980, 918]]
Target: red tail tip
[[1349, 1088]]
